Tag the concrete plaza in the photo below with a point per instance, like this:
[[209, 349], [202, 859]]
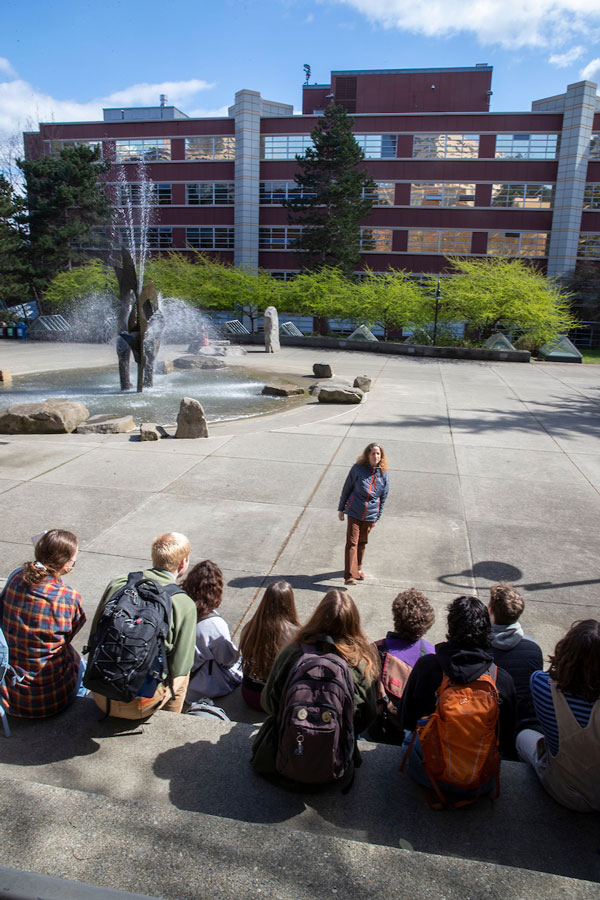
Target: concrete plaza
[[494, 472]]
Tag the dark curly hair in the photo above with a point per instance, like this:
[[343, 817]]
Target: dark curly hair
[[413, 614], [575, 665], [204, 584], [469, 623]]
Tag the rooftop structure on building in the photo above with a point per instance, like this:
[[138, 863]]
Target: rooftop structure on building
[[453, 177]]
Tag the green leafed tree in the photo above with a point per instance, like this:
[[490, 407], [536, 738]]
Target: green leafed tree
[[68, 210], [509, 293], [335, 189], [392, 300], [15, 270], [72, 285]]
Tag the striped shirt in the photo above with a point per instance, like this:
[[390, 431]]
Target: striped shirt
[[39, 621], [544, 708]]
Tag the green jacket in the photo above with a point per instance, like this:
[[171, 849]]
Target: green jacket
[[181, 640], [265, 744]]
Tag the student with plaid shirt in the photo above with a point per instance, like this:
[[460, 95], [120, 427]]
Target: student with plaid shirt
[[40, 615]]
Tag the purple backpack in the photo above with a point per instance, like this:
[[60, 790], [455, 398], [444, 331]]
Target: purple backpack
[[316, 717]]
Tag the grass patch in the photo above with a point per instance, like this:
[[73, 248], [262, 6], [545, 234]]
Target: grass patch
[[592, 357]]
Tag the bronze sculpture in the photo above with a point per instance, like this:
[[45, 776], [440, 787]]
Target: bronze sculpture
[[140, 325]]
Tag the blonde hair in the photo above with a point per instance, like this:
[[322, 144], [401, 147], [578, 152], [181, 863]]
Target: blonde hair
[[169, 550]]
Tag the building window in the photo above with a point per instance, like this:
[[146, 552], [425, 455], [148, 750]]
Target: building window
[[518, 243], [284, 146], [382, 195], [595, 146], [443, 242], [210, 238], [210, 193], [527, 146], [377, 146], [132, 194], [445, 146], [278, 238], [145, 150], [376, 240], [523, 196], [202, 149], [442, 194], [156, 238], [591, 196], [274, 192], [54, 148], [589, 245], [283, 276]]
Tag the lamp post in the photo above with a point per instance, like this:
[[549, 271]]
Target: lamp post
[[437, 305]]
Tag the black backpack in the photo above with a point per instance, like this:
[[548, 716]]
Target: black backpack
[[316, 718], [127, 655]]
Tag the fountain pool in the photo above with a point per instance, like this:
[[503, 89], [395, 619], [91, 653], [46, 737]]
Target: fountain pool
[[225, 394]]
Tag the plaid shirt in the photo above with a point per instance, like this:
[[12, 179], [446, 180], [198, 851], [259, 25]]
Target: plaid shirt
[[39, 621]]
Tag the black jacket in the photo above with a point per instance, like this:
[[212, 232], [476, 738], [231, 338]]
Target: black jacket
[[461, 666], [520, 662]]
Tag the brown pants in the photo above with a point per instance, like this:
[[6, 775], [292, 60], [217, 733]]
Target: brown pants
[[357, 537], [142, 707]]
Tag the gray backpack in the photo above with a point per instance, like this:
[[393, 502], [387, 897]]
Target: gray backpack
[[316, 718]]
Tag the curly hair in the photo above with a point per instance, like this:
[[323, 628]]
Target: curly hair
[[469, 623], [337, 616], [506, 604], [363, 459], [53, 551], [575, 665], [204, 584], [413, 614], [272, 626]]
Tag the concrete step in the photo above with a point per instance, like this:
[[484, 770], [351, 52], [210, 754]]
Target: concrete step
[[175, 854], [200, 766]]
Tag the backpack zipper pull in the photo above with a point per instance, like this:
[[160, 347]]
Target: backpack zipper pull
[[299, 751]]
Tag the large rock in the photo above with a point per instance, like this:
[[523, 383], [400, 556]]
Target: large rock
[[272, 344], [339, 393], [163, 367], [363, 382], [322, 370], [191, 421], [5, 376], [48, 417], [282, 390], [315, 389], [198, 361], [106, 424]]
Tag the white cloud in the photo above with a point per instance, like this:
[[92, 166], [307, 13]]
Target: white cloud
[[6, 67], [509, 23], [22, 106], [591, 72], [562, 60]]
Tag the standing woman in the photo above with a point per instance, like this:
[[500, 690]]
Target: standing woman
[[40, 616], [363, 495], [273, 625]]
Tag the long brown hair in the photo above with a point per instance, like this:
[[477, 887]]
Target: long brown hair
[[52, 553], [267, 631], [337, 616], [204, 584], [363, 459], [575, 665]]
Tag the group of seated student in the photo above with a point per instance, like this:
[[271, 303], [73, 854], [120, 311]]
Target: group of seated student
[[549, 719]]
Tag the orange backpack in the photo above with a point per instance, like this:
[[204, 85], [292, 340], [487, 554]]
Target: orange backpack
[[459, 739]]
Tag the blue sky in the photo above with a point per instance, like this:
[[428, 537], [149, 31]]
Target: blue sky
[[65, 60]]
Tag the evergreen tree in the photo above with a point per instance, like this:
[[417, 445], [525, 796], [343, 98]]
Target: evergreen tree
[[333, 182], [15, 272], [68, 209]]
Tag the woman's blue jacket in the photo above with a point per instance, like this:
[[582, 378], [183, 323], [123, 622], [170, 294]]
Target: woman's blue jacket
[[364, 493]]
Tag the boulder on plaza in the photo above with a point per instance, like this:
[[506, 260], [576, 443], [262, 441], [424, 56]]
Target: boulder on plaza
[[48, 417], [191, 421], [282, 390], [149, 431], [322, 370], [106, 424], [198, 361], [5, 376], [272, 344], [363, 382], [339, 393]]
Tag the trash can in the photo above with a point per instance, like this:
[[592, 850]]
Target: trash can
[[21, 330], [11, 331]]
